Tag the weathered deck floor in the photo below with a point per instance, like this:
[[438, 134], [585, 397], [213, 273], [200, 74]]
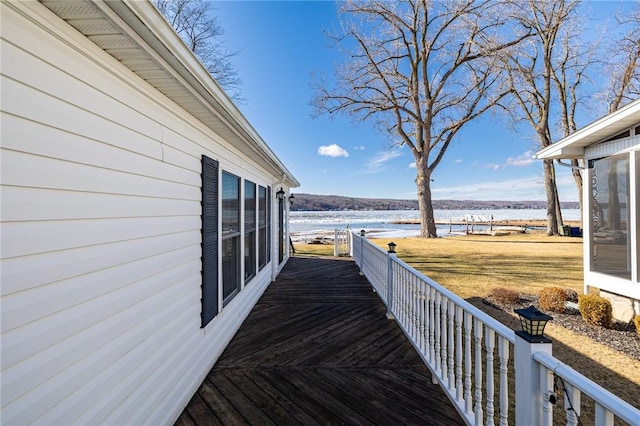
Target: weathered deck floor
[[317, 349]]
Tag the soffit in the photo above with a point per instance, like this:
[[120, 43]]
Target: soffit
[[121, 31]]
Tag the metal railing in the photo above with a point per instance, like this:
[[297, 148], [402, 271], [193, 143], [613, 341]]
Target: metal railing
[[471, 354]]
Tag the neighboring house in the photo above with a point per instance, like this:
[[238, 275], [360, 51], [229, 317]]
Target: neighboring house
[[140, 222], [611, 216]]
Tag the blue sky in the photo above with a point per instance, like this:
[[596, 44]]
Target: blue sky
[[282, 44]]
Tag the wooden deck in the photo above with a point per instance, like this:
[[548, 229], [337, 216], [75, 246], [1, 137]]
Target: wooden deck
[[317, 349]]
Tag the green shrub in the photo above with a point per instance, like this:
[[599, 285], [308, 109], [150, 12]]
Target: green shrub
[[595, 310], [505, 296], [553, 299], [636, 321]]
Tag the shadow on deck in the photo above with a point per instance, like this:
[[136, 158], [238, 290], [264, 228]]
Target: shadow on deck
[[317, 349]]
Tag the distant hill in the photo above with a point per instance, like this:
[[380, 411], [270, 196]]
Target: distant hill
[[311, 202]]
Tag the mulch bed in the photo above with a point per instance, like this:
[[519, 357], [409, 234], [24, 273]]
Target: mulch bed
[[622, 337]]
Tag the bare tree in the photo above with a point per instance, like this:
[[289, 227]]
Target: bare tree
[[624, 69], [194, 21], [421, 70], [570, 70], [531, 69]]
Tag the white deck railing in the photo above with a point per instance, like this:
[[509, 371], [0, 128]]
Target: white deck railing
[[342, 242], [468, 351]]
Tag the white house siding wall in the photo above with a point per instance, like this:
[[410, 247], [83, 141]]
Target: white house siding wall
[[101, 235]]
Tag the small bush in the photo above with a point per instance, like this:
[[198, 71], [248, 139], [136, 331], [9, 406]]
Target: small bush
[[636, 321], [572, 296], [553, 299], [595, 310], [505, 296]]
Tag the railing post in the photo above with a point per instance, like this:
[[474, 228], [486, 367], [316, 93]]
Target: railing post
[[336, 242], [527, 375], [362, 252], [390, 255]]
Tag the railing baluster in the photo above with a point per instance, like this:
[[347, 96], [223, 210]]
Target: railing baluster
[[417, 304], [437, 333], [432, 325], [503, 354], [451, 348], [459, 349], [477, 333], [490, 388], [571, 404], [546, 387], [422, 317], [443, 338], [415, 287], [468, 325], [604, 417]]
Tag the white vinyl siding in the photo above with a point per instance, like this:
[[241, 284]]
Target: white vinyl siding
[[101, 235]]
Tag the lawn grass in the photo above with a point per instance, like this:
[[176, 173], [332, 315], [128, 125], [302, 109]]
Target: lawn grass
[[472, 265]]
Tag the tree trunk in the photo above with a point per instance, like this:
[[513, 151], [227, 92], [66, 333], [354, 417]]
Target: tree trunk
[[552, 197], [423, 185]]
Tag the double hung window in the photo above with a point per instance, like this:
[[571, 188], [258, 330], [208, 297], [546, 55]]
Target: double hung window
[[249, 230], [230, 236]]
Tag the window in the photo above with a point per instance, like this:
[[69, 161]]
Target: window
[[209, 239], [262, 226], [249, 230], [230, 236], [611, 216]]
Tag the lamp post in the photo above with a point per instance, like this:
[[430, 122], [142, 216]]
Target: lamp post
[[280, 194], [291, 198], [533, 322], [530, 388]]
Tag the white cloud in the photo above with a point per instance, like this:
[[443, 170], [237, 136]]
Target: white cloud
[[377, 163], [332, 150], [412, 165], [522, 160], [458, 161], [359, 148]]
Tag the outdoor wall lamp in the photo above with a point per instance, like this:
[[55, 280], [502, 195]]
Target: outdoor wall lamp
[[291, 198], [280, 194], [533, 322]]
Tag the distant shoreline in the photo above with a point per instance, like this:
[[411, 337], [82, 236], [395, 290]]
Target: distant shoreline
[[537, 223]]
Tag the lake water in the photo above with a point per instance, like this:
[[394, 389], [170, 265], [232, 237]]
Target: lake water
[[306, 224]]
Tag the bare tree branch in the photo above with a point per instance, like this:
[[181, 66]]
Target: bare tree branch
[[194, 21], [624, 69]]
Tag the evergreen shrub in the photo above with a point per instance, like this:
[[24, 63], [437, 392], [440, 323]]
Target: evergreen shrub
[[595, 310], [553, 299]]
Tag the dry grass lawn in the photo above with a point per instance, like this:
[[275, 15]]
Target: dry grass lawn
[[472, 265]]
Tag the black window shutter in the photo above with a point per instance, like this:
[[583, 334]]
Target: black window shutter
[[209, 239]]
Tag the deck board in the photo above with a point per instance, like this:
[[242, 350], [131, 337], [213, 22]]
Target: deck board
[[318, 349]]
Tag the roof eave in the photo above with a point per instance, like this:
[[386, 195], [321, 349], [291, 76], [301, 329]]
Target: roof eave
[[573, 146], [149, 25]]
